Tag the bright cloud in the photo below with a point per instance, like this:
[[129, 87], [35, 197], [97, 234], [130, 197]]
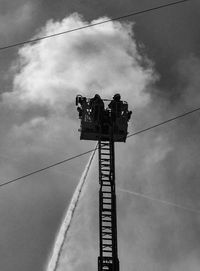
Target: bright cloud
[[101, 59]]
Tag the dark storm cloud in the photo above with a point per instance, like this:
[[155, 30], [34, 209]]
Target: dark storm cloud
[[17, 20], [170, 35]]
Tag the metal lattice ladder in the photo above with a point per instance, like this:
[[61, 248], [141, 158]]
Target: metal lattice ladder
[[108, 259]]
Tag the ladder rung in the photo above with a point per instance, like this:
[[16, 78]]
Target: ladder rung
[[106, 188], [106, 202], [107, 239], [104, 216], [106, 234], [107, 251], [106, 210], [107, 226], [110, 217], [107, 242], [107, 205], [106, 248], [104, 175], [105, 143], [105, 179], [107, 221], [106, 231]]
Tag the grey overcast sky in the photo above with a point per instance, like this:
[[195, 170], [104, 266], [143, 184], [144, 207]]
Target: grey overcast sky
[[155, 63]]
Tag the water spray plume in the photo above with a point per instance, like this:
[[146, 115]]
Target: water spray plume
[[65, 225]]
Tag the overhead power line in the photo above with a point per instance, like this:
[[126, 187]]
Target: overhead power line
[[92, 25], [159, 200], [45, 168], [84, 153], [164, 122]]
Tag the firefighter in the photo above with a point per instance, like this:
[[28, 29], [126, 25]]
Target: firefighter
[[97, 106], [116, 106]]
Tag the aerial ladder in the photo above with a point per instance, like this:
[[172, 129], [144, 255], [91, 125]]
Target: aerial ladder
[[107, 126]]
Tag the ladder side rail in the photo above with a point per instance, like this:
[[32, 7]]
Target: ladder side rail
[[108, 259]]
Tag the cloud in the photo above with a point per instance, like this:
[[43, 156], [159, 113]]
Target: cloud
[[50, 73], [102, 58]]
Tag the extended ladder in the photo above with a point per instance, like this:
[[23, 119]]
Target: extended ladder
[[108, 259]]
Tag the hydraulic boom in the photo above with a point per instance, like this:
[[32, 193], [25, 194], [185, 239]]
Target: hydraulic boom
[[107, 126]]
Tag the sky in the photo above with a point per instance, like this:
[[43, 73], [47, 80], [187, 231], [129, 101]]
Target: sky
[[153, 60]]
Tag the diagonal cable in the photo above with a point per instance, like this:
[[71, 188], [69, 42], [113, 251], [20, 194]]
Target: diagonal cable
[[159, 200], [164, 122], [47, 167], [84, 153], [92, 25]]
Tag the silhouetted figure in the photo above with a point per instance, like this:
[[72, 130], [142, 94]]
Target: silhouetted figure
[[97, 106], [116, 106]]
